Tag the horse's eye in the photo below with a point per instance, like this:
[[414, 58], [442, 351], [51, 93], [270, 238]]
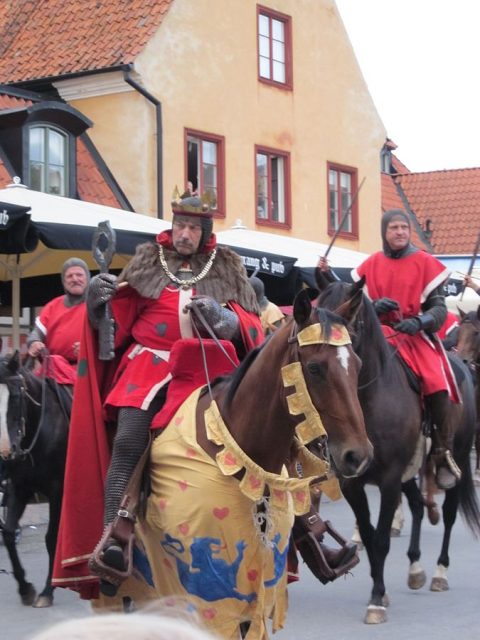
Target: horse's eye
[[317, 369]]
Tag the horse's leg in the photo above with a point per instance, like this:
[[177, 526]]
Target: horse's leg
[[416, 575], [449, 509], [15, 507], [45, 598], [374, 544]]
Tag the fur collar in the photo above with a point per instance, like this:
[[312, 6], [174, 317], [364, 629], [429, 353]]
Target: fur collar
[[226, 280]]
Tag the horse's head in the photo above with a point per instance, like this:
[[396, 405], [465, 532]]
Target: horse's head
[[468, 345], [12, 388], [330, 370]]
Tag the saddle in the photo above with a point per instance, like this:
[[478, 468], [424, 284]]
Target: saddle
[[308, 533]]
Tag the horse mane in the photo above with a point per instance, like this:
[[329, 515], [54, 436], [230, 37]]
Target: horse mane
[[234, 379], [326, 318]]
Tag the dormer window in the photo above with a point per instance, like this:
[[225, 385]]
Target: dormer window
[[48, 154]]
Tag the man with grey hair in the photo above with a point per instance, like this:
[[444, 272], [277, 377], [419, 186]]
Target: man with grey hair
[[58, 327]]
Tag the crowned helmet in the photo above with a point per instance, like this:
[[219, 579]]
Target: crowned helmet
[[188, 206]]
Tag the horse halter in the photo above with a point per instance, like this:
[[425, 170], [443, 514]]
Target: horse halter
[[300, 402]]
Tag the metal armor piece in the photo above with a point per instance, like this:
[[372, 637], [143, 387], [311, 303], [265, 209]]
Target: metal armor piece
[[100, 291], [224, 323]]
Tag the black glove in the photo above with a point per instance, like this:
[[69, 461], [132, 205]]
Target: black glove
[[411, 326], [100, 291], [384, 305]]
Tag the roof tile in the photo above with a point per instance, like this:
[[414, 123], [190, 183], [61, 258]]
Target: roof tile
[[48, 38]]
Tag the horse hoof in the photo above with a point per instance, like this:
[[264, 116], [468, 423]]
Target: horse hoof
[[394, 532], [42, 602], [439, 584], [375, 614], [28, 598], [416, 580]]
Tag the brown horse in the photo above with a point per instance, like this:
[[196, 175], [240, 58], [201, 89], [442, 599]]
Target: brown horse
[[468, 349], [219, 516], [393, 417]]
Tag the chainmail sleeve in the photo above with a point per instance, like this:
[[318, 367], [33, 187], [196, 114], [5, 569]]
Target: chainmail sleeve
[[435, 306]]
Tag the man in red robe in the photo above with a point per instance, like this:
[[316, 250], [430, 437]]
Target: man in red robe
[[406, 288], [149, 303], [58, 327]]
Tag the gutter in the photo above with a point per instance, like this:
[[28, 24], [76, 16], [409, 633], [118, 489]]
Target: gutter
[[159, 129]]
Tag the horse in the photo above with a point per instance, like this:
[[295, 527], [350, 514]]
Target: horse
[[393, 417], [468, 349], [33, 443], [220, 513]]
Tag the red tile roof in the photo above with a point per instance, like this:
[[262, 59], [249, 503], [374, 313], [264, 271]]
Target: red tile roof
[[450, 199], [12, 102], [45, 38], [91, 184], [5, 177]]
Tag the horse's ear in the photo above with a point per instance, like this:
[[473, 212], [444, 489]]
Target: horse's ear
[[322, 279], [302, 305], [14, 362], [461, 313], [350, 308], [358, 286]]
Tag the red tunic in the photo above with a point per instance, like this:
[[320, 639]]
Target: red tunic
[[448, 326], [62, 327], [88, 453], [409, 281]]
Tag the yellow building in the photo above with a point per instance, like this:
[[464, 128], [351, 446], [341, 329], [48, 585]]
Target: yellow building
[[261, 104]]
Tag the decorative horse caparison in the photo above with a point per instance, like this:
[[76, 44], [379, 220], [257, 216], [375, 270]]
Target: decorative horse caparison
[[393, 418], [468, 350], [33, 445], [219, 516]]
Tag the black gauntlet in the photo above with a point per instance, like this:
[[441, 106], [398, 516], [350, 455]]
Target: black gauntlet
[[101, 290], [222, 321]]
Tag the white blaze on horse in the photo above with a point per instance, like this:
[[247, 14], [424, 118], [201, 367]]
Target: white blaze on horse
[[222, 504]]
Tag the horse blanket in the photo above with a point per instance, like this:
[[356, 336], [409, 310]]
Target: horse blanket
[[205, 538]]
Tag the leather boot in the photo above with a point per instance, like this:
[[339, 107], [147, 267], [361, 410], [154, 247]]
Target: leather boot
[[338, 557], [447, 472]]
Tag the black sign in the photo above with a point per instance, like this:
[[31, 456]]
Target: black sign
[[267, 263]]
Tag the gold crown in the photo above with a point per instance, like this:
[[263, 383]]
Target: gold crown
[[186, 203]]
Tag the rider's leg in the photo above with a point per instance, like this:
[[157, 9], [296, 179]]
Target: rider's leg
[[448, 473]]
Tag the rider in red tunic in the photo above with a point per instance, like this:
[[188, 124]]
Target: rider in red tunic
[[59, 325], [406, 287], [149, 303]]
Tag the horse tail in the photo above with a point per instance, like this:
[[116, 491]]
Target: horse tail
[[468, 500]]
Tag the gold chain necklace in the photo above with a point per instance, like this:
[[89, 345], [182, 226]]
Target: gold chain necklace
[[186, 284]]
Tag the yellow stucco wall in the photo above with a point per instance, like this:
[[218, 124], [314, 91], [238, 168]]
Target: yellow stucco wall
[[202, 66]]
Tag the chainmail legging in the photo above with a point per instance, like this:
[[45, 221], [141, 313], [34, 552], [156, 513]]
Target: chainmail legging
[[130, 441]]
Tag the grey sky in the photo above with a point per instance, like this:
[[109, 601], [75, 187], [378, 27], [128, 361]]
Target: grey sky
[[420, 60]]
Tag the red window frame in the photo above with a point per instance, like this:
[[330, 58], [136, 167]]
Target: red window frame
[[353, 173], [287, 22], [197, 180], [271, 155]]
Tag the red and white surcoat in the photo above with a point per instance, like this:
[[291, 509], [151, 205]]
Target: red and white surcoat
[[62, 327], [410, 280]]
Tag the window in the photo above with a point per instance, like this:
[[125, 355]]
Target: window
[[342, 185], [48, 155], [205, 160], [272, 187], [274, 47]]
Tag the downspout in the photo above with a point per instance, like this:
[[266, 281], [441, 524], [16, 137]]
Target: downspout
[[158, 117]]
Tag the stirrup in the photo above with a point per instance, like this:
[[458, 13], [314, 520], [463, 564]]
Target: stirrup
[[106, 572], [452, 465]]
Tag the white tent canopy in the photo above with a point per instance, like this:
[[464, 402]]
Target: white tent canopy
[[55, 228]]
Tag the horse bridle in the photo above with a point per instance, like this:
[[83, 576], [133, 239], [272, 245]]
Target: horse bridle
[[20, 453]]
